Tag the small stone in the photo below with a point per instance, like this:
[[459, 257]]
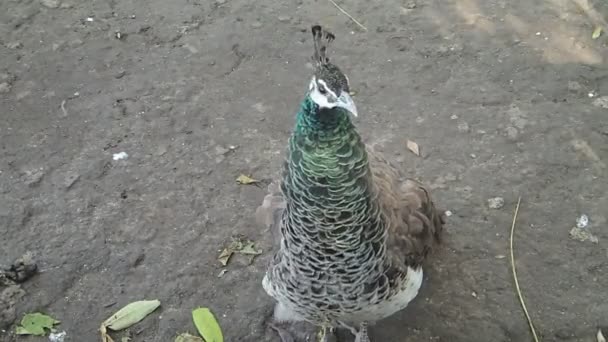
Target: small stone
[[582, 221], [463, 127], [601, 102], [4, 88], [448, 213], [473, 155], [574, 86], [160, 150], [512, 133], [70, 179], [22, 94], [284, 18], [496, 203], [220, 2], [75, 43], [14, 45], [120, 156], [256, 25], [221, 150], [120, 74], [410, 5], [58, 45], [454, 117], [260, 107], [34, 177], [190, 48], [51, 3]]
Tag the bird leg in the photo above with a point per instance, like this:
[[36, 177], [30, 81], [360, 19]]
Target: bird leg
[[283, 333], [361, 334]]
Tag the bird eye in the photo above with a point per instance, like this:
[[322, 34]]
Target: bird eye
[[322, 89]]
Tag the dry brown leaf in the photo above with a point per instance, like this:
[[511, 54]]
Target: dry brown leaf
[[225, 256], [240, 245], [412, 146], [243, 179]]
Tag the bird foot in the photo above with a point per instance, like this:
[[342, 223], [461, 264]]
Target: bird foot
[[284, 334], [361, 334]]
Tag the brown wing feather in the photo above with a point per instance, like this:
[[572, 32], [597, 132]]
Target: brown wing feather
[[269, 213], [414, 224]]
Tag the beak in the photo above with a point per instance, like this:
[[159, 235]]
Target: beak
[[346, 102]]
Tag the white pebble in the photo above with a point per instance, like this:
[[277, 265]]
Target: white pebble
[[120, 156], [57, 337], [582, 221], [496, 202], [448, 213]]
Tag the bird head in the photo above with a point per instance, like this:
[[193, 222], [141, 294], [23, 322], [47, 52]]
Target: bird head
[[329, 87]]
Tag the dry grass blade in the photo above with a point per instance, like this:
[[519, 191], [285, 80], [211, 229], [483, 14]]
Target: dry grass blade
[[348, 15], [519, 295]]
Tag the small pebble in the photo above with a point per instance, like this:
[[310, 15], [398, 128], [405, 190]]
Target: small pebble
[[448, 213], [512, 133], [601, 102], [50, 3], [454, 117], [463, 127], [574, 86], [284, 18], [120, 156], [582, 221], [256, 24], [220, 2], [14, 45], [496, 203], [4, 88]]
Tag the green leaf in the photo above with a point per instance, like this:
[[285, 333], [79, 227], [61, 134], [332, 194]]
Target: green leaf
[[243, 179], [35, 324], [207, 326], [249, 249], [596, 33], [185, 337], [131, 314]]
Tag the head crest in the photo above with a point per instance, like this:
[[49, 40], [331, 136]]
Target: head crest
[[321, 40]]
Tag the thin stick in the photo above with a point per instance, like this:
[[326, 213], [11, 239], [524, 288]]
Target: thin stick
[[348, 15], [521, 299], [65, 112]]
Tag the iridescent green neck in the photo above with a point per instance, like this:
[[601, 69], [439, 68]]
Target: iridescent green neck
[[321, 121]]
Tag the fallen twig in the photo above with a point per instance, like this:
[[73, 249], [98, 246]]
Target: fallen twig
[[519, 295], [348, 15], [65, 112]]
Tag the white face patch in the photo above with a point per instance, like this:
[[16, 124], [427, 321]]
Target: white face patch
[[319, 98]]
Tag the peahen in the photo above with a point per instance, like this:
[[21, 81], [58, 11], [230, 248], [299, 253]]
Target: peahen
[[351, 234]]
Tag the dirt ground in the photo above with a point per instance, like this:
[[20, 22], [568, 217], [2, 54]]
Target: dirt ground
[[505, 99]]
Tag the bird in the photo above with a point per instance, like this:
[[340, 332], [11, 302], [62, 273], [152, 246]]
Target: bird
[[350, 232]]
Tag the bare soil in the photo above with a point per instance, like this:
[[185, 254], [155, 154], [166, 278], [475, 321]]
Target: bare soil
[[505, 99]]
